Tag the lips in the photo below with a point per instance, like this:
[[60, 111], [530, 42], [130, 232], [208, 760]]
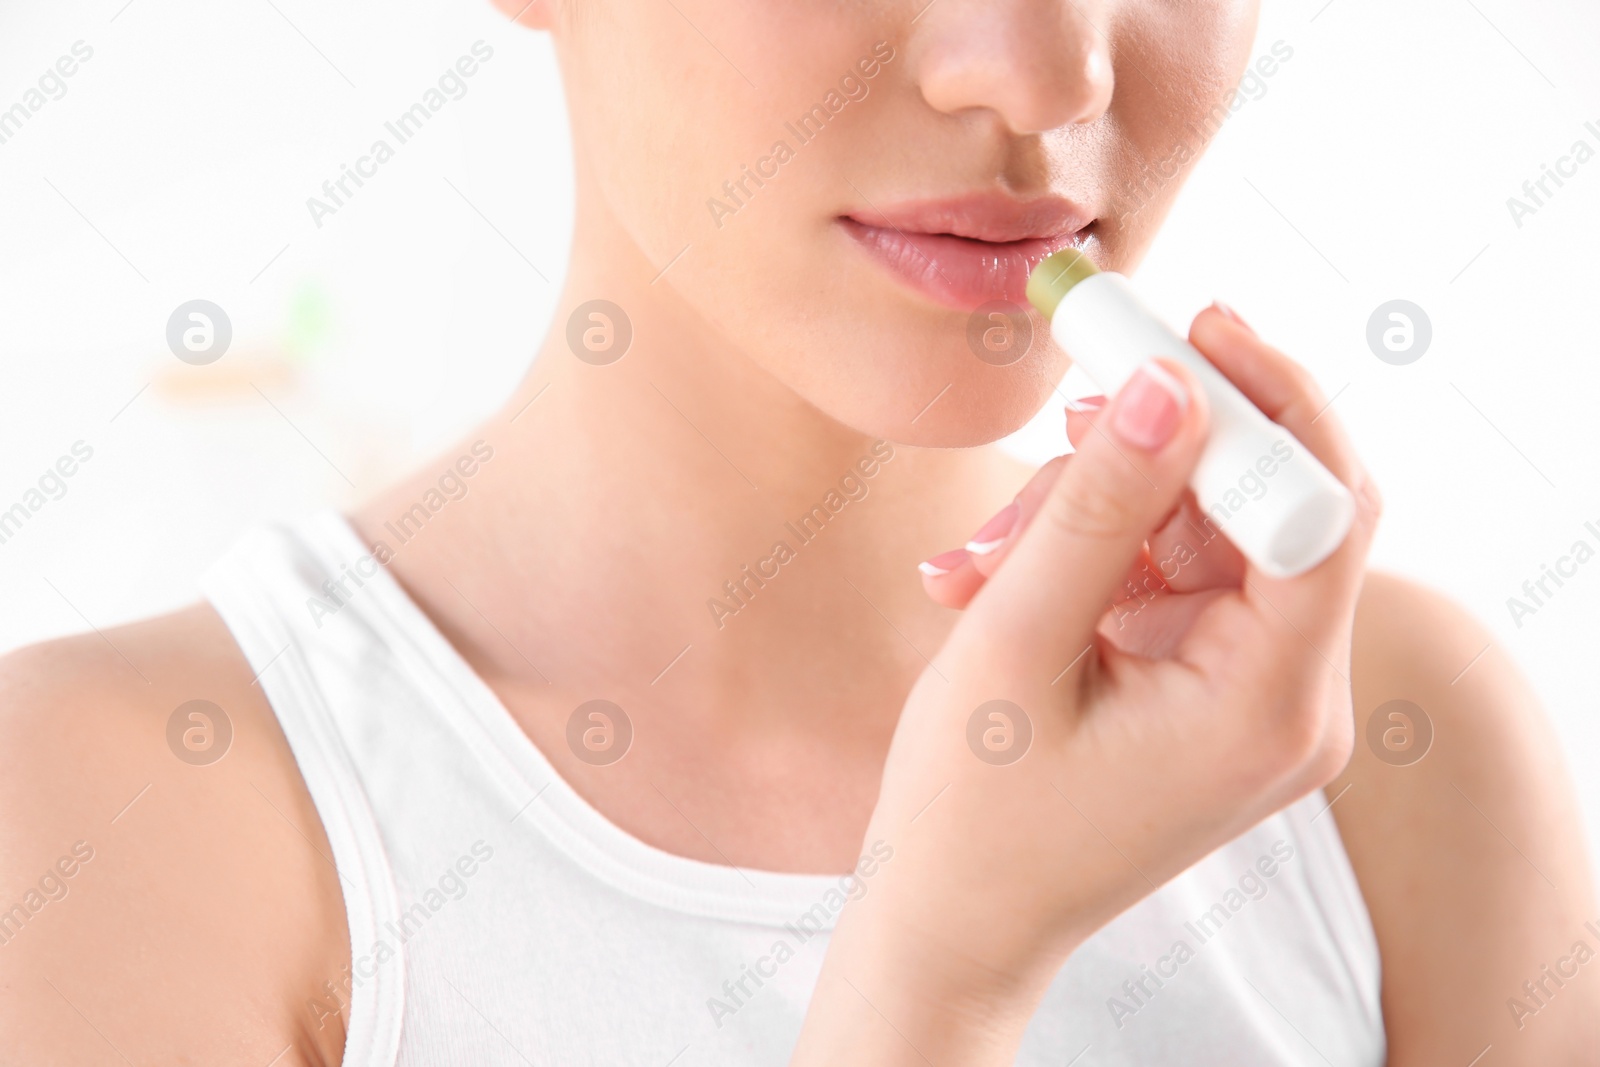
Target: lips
[[968, 251]]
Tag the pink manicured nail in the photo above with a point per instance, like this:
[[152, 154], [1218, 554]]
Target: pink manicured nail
[[943, 563], [1149, 407], [1086, 405], [1232, 314], [992, 534]]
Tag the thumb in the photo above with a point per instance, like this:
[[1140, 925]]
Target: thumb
[[1132, 471]]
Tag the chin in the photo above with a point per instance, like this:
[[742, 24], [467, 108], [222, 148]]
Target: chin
[[976, 423], [981, 405], [888, 361]]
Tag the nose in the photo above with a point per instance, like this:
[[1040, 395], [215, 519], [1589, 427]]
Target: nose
[[1037, 64]]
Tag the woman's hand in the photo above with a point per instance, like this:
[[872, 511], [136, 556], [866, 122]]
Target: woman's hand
[[1123, 695]]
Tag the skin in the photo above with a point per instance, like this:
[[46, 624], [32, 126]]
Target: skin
[[772, 355]]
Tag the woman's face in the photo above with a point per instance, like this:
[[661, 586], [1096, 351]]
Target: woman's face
[[863, 185]]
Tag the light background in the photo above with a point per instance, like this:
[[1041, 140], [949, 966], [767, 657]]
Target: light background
[[1376, 164]]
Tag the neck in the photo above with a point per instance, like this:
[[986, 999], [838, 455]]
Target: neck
[[678, 527]]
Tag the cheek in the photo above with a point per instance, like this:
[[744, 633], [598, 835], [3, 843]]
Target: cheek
[[625, 124], [1166, 122], [681, 105]]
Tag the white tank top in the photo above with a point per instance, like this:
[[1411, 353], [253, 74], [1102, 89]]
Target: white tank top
[[497, 918]]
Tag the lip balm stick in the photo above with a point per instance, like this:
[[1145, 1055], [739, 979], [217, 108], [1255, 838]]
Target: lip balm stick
[[1265, 490]]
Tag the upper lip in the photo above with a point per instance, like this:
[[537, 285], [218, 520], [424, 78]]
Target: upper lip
[[991, 217]]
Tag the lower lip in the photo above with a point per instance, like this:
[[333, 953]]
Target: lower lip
[[958, 272]]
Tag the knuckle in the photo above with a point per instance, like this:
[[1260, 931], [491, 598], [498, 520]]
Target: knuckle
[[1091, 509], [1333, 755], [1290, 737], [1305, 382], [1305, 397]]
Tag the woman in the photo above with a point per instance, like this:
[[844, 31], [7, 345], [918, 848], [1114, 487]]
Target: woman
[[627, 732]]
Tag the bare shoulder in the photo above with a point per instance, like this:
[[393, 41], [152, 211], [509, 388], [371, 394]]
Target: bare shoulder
[[1466, 839], [166, 895]]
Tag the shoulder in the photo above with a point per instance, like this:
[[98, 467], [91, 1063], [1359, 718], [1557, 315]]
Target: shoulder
[[1464, 835], [166, 888]]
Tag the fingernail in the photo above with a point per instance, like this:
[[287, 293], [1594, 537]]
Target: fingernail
[[1149, 407], [1087, 405], [943, 563], [1232, 314], [992, 534]]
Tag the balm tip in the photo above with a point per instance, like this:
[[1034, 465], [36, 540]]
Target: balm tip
[[1053, 278]]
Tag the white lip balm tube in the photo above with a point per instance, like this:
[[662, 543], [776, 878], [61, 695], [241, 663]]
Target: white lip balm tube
[[1255, 482]]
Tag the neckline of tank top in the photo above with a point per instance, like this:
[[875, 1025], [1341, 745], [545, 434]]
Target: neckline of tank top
[[571, 823]]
